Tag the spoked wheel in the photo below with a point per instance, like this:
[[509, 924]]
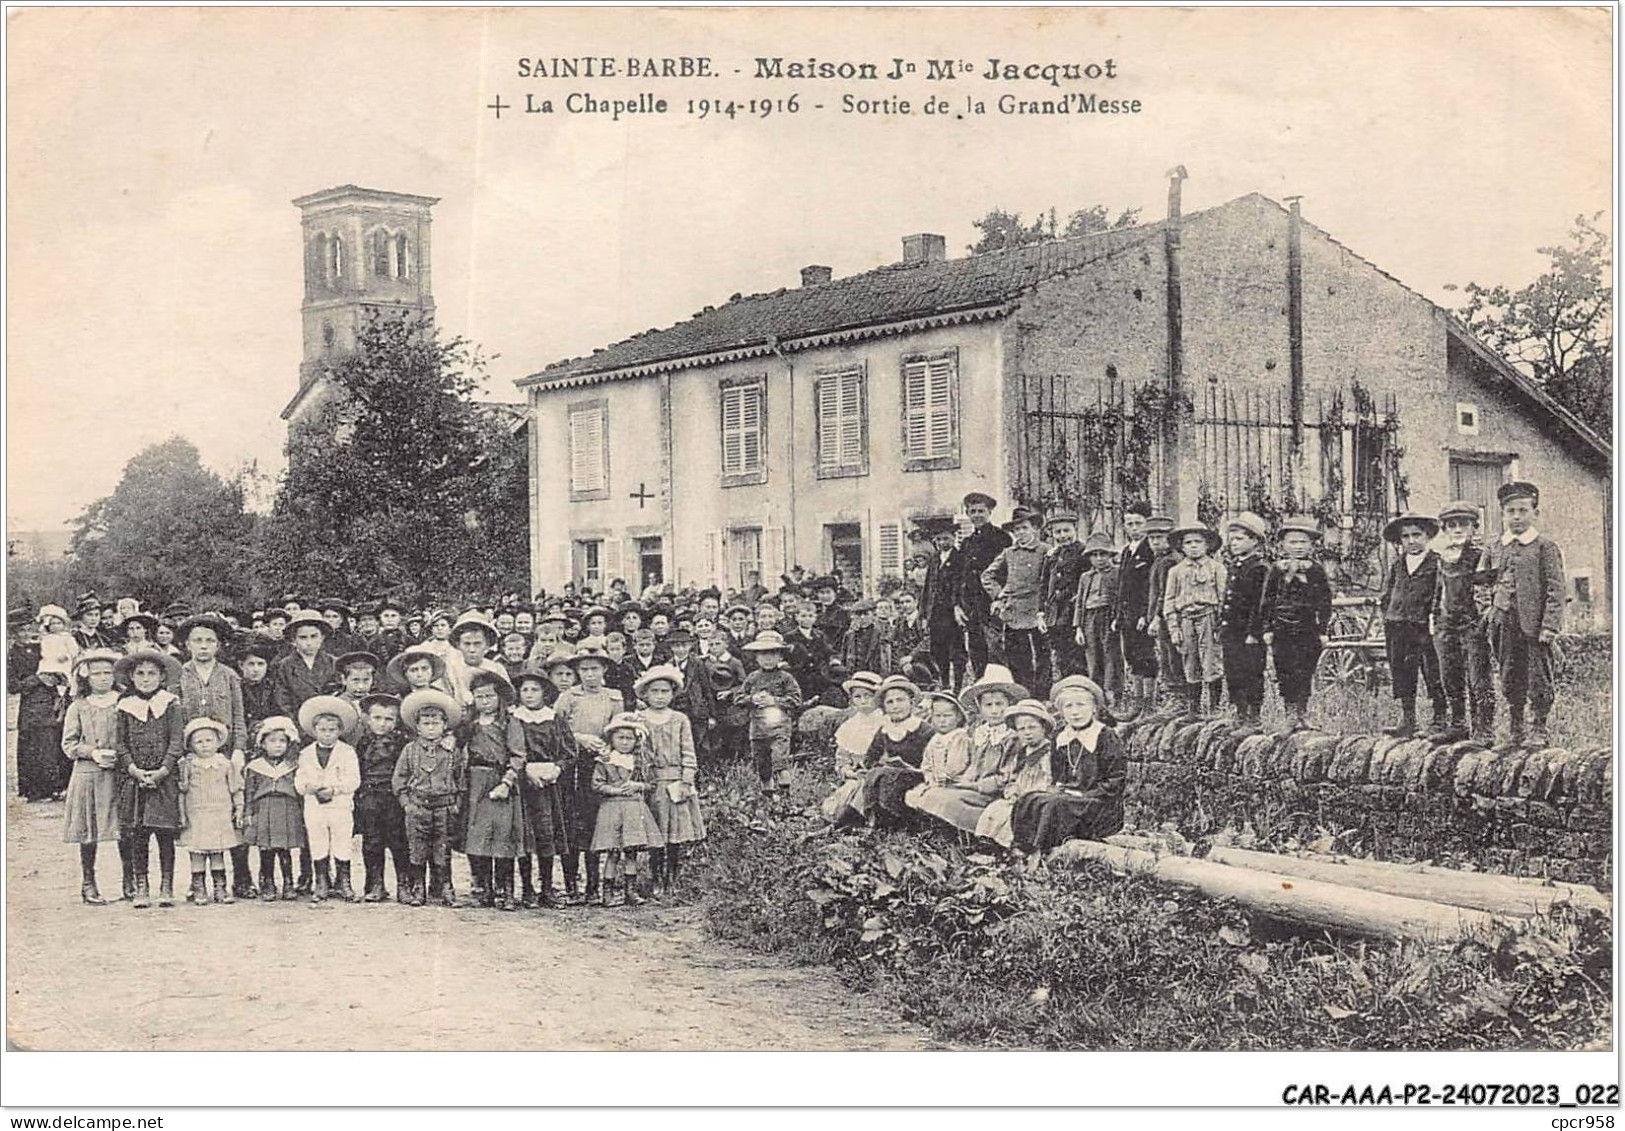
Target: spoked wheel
[[1343, 667]]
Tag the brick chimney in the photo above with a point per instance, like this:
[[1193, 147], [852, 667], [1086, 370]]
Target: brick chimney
[[812, 275], [924, 247]]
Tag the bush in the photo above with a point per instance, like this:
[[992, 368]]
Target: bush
[[998, 951]]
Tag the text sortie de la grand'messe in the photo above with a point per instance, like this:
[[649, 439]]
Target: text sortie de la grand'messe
[[775, 84]]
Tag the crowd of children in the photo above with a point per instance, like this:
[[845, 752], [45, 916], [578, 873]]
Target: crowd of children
[[556, 738]]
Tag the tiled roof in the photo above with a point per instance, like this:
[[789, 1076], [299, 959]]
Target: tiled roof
[[897, 293]]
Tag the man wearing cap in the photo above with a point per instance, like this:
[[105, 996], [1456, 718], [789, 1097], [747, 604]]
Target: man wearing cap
[[1525, 569], [939, 596], [1011, 580], [1058, 578], [1134, 565], [973, 603]]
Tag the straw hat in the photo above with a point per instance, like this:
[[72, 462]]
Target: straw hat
[[318, 705], [1033, 709], [1429, 525], [307, 617], [423, 697], [866, 681], [52, 611], [767, 641], [127, 664], [1078, 683], [476, 620], [204, 722], [995, 677], [948, 698], [1177, 538], [1248, 523], [666, 672], [396, 669], [1307, 524], [96, 655], [626, 720], [899, 683]]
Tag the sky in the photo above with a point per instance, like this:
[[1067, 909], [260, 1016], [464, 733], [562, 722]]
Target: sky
[[153, 254]]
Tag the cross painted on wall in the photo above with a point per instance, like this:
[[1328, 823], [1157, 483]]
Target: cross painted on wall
[[642, 495]]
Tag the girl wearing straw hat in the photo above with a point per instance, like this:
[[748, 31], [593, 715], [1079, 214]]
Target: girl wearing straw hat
[[1026, 771], [149, 750], [1087, 770], [852, 740]]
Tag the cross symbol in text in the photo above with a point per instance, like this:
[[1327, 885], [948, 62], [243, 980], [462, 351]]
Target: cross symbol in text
[[499, 106]]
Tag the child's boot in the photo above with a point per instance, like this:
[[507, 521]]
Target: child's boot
[[199, 894], [140, 897], [1215, 695], [594, 890], [166, 890], [1441, 717], [1483, 731], [222, 892], [242, 877], [126, 869], [318, 892], [1456, 729], [527, 883], [341, 886], [1515, 735], [448, 890], [87, 868], [634, 898], [1193, 702], [267, 877], [545, 896], [411, 885], [1406, 727], [304, 885]]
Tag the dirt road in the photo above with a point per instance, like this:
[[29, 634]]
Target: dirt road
[[254, 976]]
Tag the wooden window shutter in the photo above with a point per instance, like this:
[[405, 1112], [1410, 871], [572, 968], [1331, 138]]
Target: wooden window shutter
[[733, 443], [890, 555], [915, 426], [587, 449], [828, 398], [931, 411], [613, 562]]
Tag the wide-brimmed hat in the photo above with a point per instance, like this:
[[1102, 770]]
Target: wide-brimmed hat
[[475, 620], [947, 697], [767, 641], [146, 621], [214, 622], [396, 668], [318, 705], [334, 605], [51, 611], [531, 673], [659, 672], [1177, 538], [1099, 543], [95, 656], [204, 722], [555, 658], [278, 724], [1301, 524], [349, 658], [978, 497], [995, 677], [479, 677], [307, 616], [899, 683], [1078, 683], [1391, 532], [1061, 514], [1024, 516], [423, 697], [626, 720], [868, 681], [1033, 709], [1458, 508], [170, 665], [1518, 489], [1248, 523]]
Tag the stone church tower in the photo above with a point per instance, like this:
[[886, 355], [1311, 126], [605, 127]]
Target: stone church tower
[[365, 250]]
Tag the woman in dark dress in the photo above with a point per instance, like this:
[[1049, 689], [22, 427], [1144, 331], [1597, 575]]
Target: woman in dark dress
[[42, 703], [894, 754], [1086, 766]]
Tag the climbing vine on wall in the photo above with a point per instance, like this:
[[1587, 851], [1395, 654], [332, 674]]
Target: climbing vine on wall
[[1109, 453]]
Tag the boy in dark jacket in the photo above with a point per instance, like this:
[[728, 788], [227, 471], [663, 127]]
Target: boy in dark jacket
[[1460, 610], [1239, 631], [1058, 578], [1525, 568], [1295, 614], [380, 820], [1407, 605]]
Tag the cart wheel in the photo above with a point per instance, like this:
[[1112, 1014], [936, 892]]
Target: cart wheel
[[1343, 667]]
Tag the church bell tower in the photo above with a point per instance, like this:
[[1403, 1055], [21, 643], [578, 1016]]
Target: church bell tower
[[365, 250]]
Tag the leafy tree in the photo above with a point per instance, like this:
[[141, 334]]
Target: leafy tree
[[399, 481], [1001, 230], [1559, 328], [171, 530]]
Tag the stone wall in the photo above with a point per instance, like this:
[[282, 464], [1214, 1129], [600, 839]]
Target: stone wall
[[1539, 813]]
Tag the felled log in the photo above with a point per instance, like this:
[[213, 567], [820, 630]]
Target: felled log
[[1503, 895], [1294, 899]]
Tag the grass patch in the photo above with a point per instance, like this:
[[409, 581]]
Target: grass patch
[[989, 950]]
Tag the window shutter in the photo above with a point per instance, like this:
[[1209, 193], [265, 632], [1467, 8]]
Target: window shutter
[[829, 445], [915, 429], [939, 408], [750, 424], [891, 549], [613, 563], [587, 449], [744, 420], [850, 387]]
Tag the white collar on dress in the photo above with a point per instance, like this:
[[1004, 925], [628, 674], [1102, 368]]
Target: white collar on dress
[[263, 767], [144, 709], [543, 714], [899, 731], [1528, 536], [1089, 735]]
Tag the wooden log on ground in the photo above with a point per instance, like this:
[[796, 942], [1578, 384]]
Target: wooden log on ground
[[1294, 899], [1503, 895]]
